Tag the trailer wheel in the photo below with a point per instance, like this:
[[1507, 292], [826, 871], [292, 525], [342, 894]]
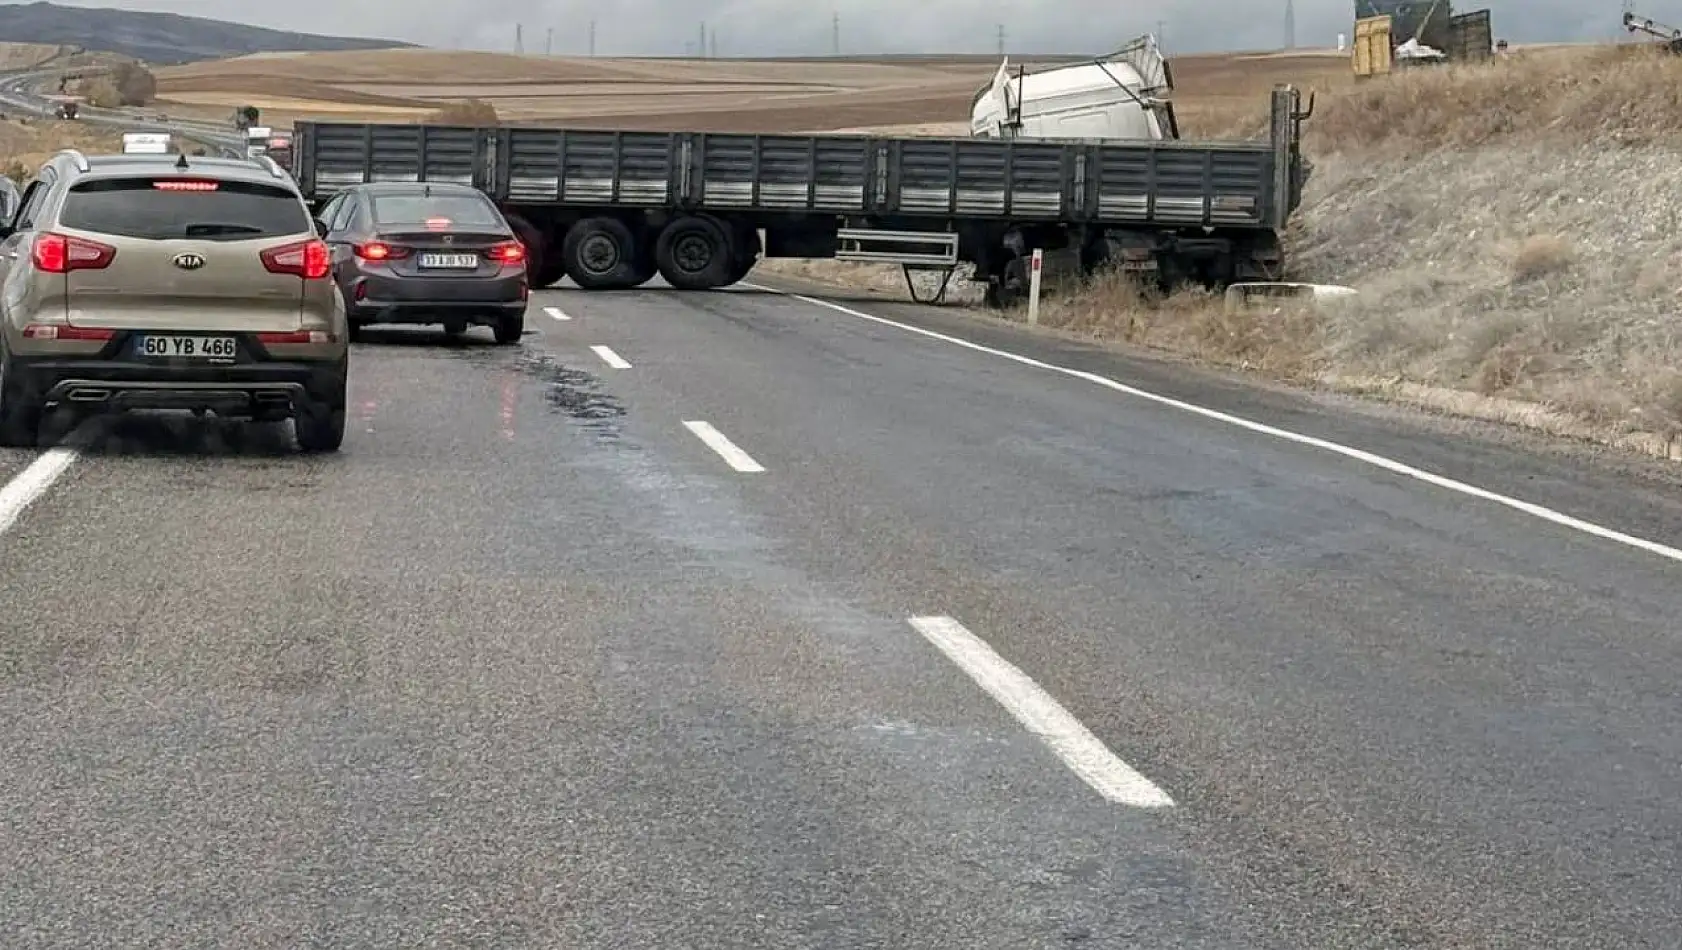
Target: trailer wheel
[[694, 253], [600, 254]]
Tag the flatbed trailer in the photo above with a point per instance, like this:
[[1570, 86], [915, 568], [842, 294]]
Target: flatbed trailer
[[611, 209]]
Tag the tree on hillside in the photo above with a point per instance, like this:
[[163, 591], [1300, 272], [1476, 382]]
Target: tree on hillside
[[135, 84], [100, 92]]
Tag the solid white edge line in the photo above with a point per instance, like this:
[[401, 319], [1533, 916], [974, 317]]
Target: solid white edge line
[[715, 440], [26, 486], [556, 312], [610, 358], [1359, 455], [1084, 753]]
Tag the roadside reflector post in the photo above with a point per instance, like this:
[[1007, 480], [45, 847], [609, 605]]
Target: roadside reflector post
[[1034, 265]]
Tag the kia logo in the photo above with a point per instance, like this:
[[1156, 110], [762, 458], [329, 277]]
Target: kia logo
[[189, 261]]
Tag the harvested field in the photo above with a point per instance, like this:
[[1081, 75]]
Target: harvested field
[[719, 95], [24, 55]]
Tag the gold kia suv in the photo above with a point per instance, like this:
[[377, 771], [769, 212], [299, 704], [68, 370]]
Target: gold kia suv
[[159, 282]]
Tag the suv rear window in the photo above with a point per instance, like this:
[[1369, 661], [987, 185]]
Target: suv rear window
[[136, 207], [415, 209]]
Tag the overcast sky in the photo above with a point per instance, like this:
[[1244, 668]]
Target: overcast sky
[[793, 27]]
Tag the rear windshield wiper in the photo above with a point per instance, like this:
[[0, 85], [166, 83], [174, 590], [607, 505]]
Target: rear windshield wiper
[[209, 228]]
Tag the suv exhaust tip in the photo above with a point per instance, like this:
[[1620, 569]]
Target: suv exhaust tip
[[88, 394]]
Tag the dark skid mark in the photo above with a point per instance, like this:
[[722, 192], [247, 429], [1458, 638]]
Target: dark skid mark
[[574, 393]]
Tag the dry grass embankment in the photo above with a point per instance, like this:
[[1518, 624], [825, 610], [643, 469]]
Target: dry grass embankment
[[1511, 228], [26, 143]]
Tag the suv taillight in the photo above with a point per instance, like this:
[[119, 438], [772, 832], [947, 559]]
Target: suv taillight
[[61, 254], [508, 252], [308, 259]]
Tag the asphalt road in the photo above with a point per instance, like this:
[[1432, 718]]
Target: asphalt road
[[531, 663]]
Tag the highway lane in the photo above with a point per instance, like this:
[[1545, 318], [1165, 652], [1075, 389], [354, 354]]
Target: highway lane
[[1393, 715], [527, 664]]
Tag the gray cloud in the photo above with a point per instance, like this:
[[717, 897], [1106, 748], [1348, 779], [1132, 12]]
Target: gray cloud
[[795, 27]]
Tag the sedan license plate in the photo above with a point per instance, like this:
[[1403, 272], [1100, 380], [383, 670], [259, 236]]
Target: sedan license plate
[[450, 261], [189, 347]]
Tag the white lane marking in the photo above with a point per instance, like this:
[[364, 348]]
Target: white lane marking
[[610, 358], [715, 440], [1359, 455], [556, 312], [38, 476], [1042, 715]]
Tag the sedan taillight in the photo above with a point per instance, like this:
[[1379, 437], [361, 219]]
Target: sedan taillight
[[508, 252], [380, 251]]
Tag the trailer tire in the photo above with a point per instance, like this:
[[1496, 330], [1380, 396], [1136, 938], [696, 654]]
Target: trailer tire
[[695, 253], [600, 254]]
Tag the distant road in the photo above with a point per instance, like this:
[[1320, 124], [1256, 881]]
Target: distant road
[[18, 91]]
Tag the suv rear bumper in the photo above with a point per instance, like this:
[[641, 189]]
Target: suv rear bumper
[[240, 388]]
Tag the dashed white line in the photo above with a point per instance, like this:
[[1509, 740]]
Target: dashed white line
[[1043, 716], [1359, 455], [38, 476], [556, 312], [610, 358], [715, 440]]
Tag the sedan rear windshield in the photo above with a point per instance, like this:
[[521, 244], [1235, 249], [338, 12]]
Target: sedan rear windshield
[[470, 210], [151, 208]]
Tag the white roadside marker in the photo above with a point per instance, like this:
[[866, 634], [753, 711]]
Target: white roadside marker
[[556, 312], [610, 358], [1042, 715], [715, 440]]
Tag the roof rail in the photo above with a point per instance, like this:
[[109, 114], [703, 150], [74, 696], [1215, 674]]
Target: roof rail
[[75, 156], [273, 166]]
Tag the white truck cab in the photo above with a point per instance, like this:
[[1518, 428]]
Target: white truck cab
[[1121, 96]]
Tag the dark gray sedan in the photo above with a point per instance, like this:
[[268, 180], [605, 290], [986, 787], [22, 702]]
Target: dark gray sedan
[[419, 253]]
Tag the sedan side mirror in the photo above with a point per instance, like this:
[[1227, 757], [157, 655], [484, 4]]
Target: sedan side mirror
[[320, 228]]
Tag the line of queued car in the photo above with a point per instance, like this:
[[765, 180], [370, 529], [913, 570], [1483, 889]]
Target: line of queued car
[[205, 284]]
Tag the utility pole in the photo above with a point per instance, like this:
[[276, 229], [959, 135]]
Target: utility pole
[[1161, 31], [1290, 25], [1001, 39], [519, 39], [701, 48], [592, 37], [835, 34], [549, 42]]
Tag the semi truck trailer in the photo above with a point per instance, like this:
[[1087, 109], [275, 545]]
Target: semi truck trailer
[[610, 209]]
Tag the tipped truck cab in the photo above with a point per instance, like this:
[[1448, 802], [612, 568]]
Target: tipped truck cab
[[427, 254], [152, 282]]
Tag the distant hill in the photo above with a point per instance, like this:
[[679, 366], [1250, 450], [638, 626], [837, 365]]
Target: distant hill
[[159, 38]]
